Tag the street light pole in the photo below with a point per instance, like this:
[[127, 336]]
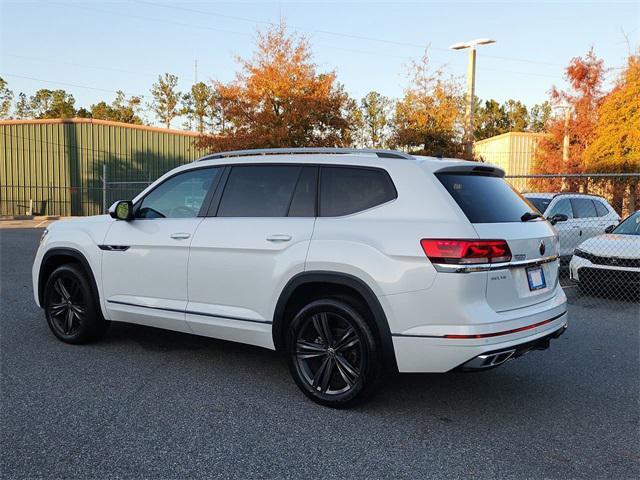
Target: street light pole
[[468, 118], [471, 87]]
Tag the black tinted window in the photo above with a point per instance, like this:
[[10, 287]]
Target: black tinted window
[[485, 199], [180, 196], [304, 198], [346, 190], [541, 204], [600, 208], [259, 191], [562, 207], [583, 208]]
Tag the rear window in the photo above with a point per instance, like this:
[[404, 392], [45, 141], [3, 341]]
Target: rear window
[[601, 209], [346, 190], [485, 199], [541, 204]]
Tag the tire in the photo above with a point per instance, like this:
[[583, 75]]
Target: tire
[[71, 309], [342, 370]]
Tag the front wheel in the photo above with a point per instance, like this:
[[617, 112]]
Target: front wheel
[[71, 308], [332, 353]]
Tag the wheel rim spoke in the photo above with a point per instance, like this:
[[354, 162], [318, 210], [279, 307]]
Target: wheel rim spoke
[[318, 376], [346, 376], [350, 369], [321, 324], [61, 289], [57, 308], [69, 324], [348, 340], [306, 350], [77, 309]]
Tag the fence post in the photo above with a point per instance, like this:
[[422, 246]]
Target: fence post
[[104, 188]]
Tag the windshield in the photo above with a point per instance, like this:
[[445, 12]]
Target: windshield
[[540, 203], [631, 226], [484, 198]]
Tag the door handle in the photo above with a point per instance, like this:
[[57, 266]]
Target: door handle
[[279, 238], [180, 236]]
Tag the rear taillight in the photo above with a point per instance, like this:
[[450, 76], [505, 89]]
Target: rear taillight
[[466, 251]]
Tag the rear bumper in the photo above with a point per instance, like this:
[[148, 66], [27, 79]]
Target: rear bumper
[[439, 355], [496, 358]]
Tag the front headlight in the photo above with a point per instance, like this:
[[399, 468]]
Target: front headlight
[[44, 234]]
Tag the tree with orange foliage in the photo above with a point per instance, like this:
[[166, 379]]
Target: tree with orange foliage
[[428, 119], [616, 140], [278, 99], [585, 76]]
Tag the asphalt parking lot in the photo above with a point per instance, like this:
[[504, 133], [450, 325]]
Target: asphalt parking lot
[[157, 404]]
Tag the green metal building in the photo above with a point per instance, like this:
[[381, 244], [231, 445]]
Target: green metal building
[[75, 166]]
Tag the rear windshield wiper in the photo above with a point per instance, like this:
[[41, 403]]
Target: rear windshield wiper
[[530, 216]]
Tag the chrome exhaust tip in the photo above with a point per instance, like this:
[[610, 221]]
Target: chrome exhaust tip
[[489, 360]]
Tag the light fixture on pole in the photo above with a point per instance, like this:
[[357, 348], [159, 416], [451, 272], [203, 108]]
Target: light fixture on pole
[[471, 85]]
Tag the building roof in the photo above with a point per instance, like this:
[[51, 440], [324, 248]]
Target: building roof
[[94, 121], [509, 134]]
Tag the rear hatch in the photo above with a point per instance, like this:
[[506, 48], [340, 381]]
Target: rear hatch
[[498, 212]]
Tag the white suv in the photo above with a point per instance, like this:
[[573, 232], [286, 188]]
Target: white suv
[[348, 261], [576, 216]]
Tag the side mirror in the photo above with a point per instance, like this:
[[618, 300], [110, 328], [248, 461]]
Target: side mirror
[[558, 217], [609, 229], [122, 210]]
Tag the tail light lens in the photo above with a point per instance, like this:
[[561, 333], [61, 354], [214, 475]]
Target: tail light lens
[[466, 252]]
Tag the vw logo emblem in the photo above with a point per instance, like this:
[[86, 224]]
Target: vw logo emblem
[[542, 248]]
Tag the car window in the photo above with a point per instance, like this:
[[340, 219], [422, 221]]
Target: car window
[[583, 208], [181, 196], [601, 210], [259, 191], [631, 226], [540, 203], [304, 198], [562, 207], [346, 190], [484, 198]]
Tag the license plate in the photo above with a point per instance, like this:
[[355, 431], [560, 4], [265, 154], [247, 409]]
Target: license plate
[[535, 276]]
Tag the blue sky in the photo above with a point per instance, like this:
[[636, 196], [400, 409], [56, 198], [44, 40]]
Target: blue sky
[[110, 45]]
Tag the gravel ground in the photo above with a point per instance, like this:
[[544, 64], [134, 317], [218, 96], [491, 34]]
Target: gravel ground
[[157, 404]]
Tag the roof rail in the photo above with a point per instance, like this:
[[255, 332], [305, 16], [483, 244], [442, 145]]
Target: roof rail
[[557, 194], [307, 151]]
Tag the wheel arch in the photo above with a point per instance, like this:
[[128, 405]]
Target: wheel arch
[[345, 284], [57, 256]]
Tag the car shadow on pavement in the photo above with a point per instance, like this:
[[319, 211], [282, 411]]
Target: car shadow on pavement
[[424, 393]]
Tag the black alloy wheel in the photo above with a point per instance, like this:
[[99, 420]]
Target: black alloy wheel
[[332, 353], [70, 307]]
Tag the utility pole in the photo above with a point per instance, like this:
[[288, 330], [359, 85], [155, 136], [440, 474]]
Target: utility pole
[[471, 87], [196, 71], [565, 140]]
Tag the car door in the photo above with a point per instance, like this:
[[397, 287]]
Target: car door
[[144, 261], [568, 231], [606, 216], [584, 211], [254, 239]]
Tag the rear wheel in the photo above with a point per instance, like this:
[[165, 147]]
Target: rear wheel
[[70, 307], [332, 353]]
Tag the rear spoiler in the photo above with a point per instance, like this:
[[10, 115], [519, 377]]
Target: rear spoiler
[[470, 169]]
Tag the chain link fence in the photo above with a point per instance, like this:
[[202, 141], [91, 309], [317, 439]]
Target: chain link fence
[[598, 225]]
